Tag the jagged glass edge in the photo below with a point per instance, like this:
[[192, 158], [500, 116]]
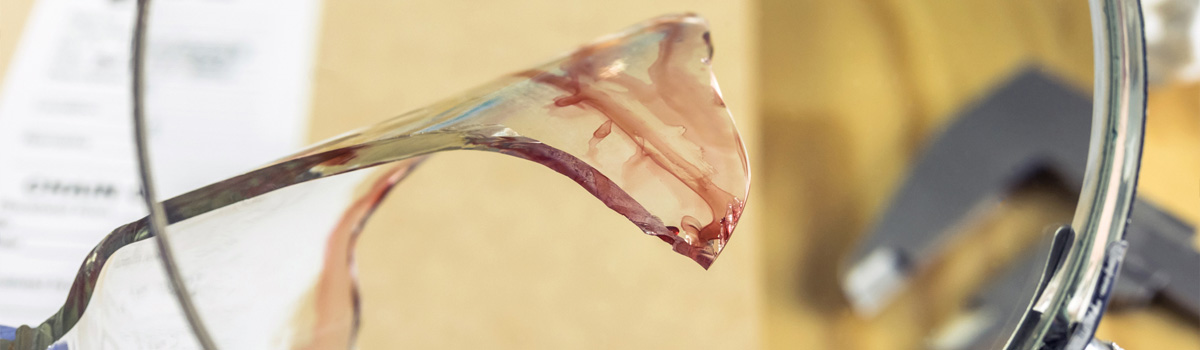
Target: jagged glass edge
[[494, 138]]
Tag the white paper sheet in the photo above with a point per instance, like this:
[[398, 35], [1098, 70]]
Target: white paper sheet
[[227, 90]]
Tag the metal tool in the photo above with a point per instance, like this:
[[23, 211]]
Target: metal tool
[[1157, 258], [1030, 124], [991, 315], [1161, 262]]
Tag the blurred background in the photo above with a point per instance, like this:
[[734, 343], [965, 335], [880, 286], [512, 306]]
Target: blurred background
[[837, 102]]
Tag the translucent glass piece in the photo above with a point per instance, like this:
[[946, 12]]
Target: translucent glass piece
[[635, 118]]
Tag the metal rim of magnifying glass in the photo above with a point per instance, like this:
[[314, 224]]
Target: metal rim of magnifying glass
[[1066, 309], [157, 216]]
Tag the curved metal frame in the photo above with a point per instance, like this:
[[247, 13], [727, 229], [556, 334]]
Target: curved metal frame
[[158, 217], [1067, 308]]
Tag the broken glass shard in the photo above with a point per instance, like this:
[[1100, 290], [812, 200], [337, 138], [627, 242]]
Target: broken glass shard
[[635, 118]]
